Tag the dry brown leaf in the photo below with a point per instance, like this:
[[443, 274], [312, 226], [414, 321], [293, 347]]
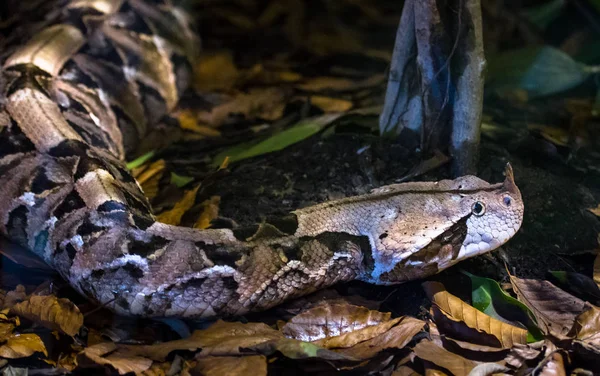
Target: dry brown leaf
[[554, 308], [395, 338], [221, 338], [108, 353], [51, 312], [520, 355], [596, 210], [13, 297], [554, 366], [258, 103], [210, 211], [587, 327], [149, 177], [22, 345], [188, 120], [255, 365], [329, 104], [215, 71], [318, 84], [327, 321], [456, 364], [173, 216], [506, 334]]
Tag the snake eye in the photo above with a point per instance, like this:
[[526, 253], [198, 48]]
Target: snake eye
[[507, 200], [478, 208]]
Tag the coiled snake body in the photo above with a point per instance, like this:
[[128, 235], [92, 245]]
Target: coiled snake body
[[81, 93]]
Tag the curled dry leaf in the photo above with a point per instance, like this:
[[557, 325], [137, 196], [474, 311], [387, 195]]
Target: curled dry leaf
[[456, 364], [21, 346], [108, 353], [51, 312], [255, 365], [458, 311], [554, 308], [327, 321], [587, 329], [294, 349]]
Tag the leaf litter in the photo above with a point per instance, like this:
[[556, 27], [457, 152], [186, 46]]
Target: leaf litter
[[246, 100]]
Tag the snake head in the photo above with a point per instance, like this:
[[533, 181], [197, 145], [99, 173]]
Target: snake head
[[496, 215]]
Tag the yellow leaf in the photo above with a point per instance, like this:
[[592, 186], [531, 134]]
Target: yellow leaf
[[52, 313], [173, 216], [216, 71], [452, 306], [329, 104], [210, 211], [22, 345], [188, 120], [149, 177]]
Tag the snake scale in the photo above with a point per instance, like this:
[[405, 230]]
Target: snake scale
[[80, 94]]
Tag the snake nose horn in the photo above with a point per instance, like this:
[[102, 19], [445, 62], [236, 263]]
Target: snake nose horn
[[509, 181]]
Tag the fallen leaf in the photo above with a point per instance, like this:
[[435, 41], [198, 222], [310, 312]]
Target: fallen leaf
[[554, 308], [488, 297], [456, 364], [279, 141], [395, 338], [140, 160], [255, 365], [22, 345], [318, 84], [108, 353], [220, 339], [456, 309], [553, 365], [520, 355], [587, 327], [328, 321], [596, 210], [173, 216], [210, 211], [258, 103], [329, 104], [488, 369], [294, 349], [13, 297], [188, 120], [51, 312], [149, 177], [528, 69], [215, 71]]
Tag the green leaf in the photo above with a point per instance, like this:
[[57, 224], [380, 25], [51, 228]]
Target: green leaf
[[279, 141], [140, 160], [540, 71], [543, 15], [179, 180], [488, 297]]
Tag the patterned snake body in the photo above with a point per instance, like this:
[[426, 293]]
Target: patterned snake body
[[85, 89]]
